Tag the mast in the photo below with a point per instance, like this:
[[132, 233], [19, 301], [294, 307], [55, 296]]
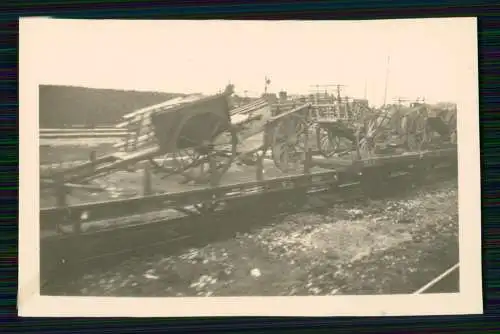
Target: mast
[[387, 78]]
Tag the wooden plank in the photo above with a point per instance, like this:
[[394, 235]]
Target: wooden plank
[[248, 107], [295, 110], [124, 207], [331, 163], [327, 105], [82, 135], [140, 140], [136, 116], [287, 104], [79, 130], [250, 110], [135, 154], [153, 107], [74, 185], [395, 158]]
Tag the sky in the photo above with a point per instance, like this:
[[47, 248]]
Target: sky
[[424, 57]]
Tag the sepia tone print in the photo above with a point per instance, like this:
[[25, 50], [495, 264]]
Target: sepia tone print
[[221, 174]]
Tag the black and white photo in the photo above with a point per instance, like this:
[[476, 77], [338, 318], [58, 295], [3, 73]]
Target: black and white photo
[[242, 167]]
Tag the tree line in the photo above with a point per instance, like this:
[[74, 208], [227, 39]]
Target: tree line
[[68, 106]]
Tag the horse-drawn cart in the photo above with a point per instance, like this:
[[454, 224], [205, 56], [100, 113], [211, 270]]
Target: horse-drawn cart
[[200, 138], [336, 125], [410, 128], [353, 127]]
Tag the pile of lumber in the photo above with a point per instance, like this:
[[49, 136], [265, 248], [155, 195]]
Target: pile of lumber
[[139, 126]]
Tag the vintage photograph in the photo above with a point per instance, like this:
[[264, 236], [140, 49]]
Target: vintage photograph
[[255, 159]]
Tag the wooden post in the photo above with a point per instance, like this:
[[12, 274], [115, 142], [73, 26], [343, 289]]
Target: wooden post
[[307, 149], [127, 138], [308, 161], [147, 186], [61, 198], [358, 152], [260, 166], [214, 181], [93, 158], [60, 192]]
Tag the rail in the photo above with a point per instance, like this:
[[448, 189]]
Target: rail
[[437, 279]]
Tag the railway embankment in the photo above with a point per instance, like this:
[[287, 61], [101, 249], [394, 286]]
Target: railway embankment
[[370, 246]]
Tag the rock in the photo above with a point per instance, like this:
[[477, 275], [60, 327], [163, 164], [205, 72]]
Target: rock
[[315, 291], [255, 272], [150, 276], [404, 219], [392, 207], [355, 213]]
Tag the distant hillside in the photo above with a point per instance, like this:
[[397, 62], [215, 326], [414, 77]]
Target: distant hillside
[[62, 106]]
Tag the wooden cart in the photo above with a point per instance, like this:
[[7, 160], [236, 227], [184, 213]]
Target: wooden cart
[[199, 138]]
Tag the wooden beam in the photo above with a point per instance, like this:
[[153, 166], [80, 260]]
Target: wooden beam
[[295, 110]]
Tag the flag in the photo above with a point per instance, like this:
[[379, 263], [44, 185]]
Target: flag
[[268, 81]]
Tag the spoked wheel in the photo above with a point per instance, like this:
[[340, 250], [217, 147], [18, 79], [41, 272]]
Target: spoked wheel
[[289, 142], [417, 136], [367, 147], [202, 154], [367, 140], [417, 140], [328, 142]]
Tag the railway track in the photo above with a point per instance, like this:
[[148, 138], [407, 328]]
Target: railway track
[[447, 281], [66, 255]]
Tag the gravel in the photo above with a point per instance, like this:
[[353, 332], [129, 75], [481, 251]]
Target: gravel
[[369, 247]]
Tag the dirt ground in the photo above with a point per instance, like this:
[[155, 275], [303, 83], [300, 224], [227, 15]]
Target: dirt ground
[[382, 246]]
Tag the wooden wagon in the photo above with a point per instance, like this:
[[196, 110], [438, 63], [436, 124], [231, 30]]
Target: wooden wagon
[[200, 137], [336, 125], [443, 121], [394, 127], [410, 128], [355, 127]]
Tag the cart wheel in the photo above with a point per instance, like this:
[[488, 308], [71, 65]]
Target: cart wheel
[[416, 132], [208, 156], [367, 148], [328, 142], [416, 141], [288, 143], [367, 140]]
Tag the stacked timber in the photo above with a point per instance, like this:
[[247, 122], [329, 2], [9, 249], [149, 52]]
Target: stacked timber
[[249, 120], [139, 126]]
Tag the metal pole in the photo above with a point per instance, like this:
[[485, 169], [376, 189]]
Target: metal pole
[[386, 78]]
